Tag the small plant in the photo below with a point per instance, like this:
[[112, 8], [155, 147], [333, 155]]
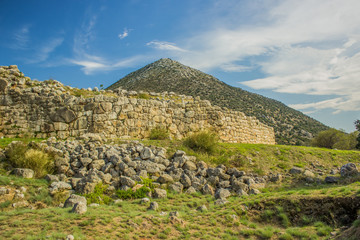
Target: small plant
[[99, 196], [20, 155], [143, 96], [204, 141], [159, 133], [142, 192]]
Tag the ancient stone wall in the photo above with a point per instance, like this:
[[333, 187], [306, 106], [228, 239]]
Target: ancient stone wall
[[44, 109]]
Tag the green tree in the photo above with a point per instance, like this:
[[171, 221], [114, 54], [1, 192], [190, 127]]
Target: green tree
[[357, 126], [334, 138]]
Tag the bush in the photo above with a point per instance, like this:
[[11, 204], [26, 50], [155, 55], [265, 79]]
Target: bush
[[333, 138], [130, 194], [147, 187], [98, 196], [20, 156], [204, 141], [159, 133]]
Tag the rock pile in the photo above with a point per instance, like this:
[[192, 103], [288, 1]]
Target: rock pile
[[81, 166]]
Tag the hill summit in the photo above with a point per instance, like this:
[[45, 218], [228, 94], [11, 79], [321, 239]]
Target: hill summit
[[290, 125]]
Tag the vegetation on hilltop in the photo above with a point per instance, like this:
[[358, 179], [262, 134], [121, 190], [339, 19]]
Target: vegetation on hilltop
[[290, 126]]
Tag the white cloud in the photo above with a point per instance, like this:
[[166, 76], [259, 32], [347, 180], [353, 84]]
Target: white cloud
[[21, 38], [124, 34], [100, 65], [44, 52], [168, 46]]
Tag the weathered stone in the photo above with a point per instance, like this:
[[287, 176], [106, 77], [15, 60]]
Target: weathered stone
[[222, 193], [176, 187], [221, 201], [79, 208], [185, 180], [296, 170], [202, 208], [126, 181], [3, 85], [331, 179], [63, 115], [4, 191], [153, 206], [23, 172], [254, 191], [73, 199], [208, 189], [308, 174], [159, 193], [348, 169], [51, 178], [190, 190], [146, 154], [165, 178], [59, 186], [189, 165]]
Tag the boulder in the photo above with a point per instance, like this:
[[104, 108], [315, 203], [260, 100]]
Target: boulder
[[165, 178], [207, 189], [222, 193], [348, 169], [296, 170], [159, 193], [73, 199], [189, 165], [176, 187], [190, 190], [79, 208], [126, 181], [153, 206], [331, 179], [23, 172]]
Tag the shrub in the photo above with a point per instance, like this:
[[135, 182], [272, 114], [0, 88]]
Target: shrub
[[19, 155], [333, 138], [98, 196], [204, 141], [130, 194], [159, 133]]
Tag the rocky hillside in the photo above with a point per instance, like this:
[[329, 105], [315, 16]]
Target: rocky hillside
[[291, 126]]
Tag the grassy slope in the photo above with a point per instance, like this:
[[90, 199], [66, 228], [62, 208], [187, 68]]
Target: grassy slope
[[244, 218]]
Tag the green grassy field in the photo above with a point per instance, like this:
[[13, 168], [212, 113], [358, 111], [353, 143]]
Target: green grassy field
[[281, 211]]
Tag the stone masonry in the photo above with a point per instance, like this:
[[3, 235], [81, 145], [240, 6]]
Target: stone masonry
[[50, 109]]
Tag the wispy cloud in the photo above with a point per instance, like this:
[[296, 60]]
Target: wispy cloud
[[124, 34], [168, 46], [89, 67], [43, 53], [21, 38]]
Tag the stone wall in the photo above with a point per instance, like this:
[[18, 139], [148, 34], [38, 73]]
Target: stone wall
[[45, 109]]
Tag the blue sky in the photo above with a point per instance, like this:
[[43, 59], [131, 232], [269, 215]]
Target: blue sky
[[305, 54]]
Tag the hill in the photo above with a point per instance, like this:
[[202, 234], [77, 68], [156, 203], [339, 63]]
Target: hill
[[290, 125]]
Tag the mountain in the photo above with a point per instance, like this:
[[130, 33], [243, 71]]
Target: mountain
[[290, 125]]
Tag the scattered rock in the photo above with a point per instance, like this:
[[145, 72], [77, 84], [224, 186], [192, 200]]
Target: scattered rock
[[74, 199], [175, 213], [153, 206], [348, 169], [20, 204], [202, 208], [79, 208], [59, 186], [94, 205], [23, 172], [70, 237], [159, 193], [4, 191], [254, 191], [165, 178], [208, 189], [176, 187], [296, 170], [222, 193], [331, 179], [190, 190], [144, 200], [221, 202]]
